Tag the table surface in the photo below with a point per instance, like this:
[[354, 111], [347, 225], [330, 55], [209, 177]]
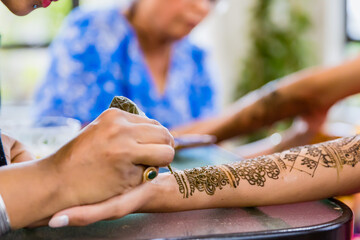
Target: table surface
[[326, 219]]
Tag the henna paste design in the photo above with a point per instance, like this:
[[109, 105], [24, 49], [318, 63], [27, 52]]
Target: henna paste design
[[208, 179], [307, 159]]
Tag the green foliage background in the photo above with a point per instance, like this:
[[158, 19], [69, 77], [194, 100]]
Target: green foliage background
[[279, 46], [277, 49]]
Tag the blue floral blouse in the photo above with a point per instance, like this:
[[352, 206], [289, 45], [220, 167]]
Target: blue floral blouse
[[97, 56]]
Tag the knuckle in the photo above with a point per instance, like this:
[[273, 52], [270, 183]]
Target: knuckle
[[131, 176], [115, 128], [167, 137], [168, 155], [117, 158], [135, 174], [125, 156], [153, 121], [115, 113], [111, 112], [171, 154]]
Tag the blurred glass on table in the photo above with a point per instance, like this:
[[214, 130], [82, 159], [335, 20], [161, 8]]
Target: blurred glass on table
[[43, 136]]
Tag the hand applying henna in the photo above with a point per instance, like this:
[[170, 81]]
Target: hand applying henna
[[127, 105]]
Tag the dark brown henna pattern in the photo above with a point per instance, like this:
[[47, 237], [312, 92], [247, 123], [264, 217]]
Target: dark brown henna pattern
[[182, 188], [307, 159], [208, 179], [333, 154]]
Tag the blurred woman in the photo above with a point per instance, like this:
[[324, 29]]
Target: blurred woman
[[142, 53]]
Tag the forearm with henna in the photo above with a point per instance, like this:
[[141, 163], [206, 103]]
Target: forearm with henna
[[299, 174]]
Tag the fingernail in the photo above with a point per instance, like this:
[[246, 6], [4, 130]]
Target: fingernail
[[60, 221]]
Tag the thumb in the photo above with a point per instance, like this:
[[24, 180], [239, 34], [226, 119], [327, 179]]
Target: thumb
[[115, 207]]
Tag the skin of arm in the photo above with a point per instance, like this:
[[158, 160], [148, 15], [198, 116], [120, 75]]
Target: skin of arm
[[104, 160], [302, 93], [300, 174]]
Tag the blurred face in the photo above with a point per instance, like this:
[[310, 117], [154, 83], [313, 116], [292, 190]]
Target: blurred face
[[175, 18], [23, 7]]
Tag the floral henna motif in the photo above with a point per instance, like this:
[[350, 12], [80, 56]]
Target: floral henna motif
[[311, 164], [208, 179], [342, 152], [291, 157], [255, 171], [313, 151]]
